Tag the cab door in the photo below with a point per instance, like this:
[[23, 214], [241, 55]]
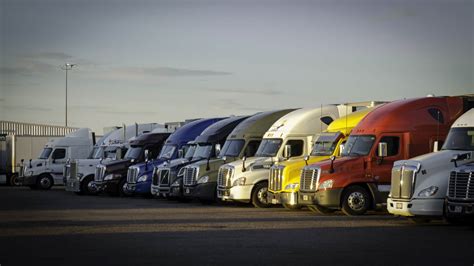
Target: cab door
[[381, 170], [58, 160]]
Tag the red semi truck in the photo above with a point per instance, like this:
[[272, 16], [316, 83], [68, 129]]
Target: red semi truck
[[360, 179]]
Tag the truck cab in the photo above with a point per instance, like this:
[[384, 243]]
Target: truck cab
[[111, 176], [139, 176], [420, 184], [207, 147], [47, 169], [242, 141], [360, 179], [79, 174], [285, 176], [290, 138]]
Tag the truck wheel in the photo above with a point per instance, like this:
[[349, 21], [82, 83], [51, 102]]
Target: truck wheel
[[320, 209], [44, 182], [14, 180], [291, 207], [85, 185], [419, 220], [355, 201], [259, 195], [122, 188]]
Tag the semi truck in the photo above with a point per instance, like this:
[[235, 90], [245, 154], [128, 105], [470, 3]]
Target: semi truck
[[111, 176], [460, 197], [284, 180], [420, 184], [47, 169], [242, 141], [79, 174], [289, 138], [208, 146], [14, 150], [360, 179], [169, 173], [139, 176]]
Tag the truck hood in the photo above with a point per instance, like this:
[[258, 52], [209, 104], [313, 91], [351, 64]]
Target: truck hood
[[89, 162], [177, 163], [117, 165], [434, 169], [341, 165]]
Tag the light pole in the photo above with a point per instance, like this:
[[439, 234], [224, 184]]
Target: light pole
[[67, 67]]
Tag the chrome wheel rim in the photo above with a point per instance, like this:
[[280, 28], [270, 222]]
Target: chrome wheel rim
[[356, 201], [262, 195], [45, 182]]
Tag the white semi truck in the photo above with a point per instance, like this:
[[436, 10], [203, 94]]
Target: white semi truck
[[419, 185], [79, 173], [47, 169], [289, 138]]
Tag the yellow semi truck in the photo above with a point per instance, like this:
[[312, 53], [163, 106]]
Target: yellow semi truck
[[284, 177]]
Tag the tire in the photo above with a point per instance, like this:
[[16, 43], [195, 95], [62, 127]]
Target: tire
[[14, 180], [259, 195], [121, 189], [419, 220], [291, 207], [85, 185], [320, 209], [356, 200], [44, 182]]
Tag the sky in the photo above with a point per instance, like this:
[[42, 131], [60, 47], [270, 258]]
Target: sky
[[160, 61]]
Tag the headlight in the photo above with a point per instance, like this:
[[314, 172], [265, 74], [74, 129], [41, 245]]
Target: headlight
[[292, 186], [142, 178], [80, 175], [110, 176], [428, 192], [181, 172], [326, 184], [239, 181], [203, 179]]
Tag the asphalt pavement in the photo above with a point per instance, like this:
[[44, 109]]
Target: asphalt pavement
[[60, 228]]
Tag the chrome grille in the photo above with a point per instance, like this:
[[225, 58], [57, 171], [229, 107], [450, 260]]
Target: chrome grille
[[224, 177], [461, 185], [67, 171], [276, 178], [132, 174], [309, 179], [163, 176], [403, 180], [99, 173], [190, 176]]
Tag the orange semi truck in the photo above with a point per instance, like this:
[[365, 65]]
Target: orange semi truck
[[360, 179]]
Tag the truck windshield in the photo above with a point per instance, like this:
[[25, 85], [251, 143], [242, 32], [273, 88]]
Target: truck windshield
[[45, 153], [167, 152], [268, 148], [110, 152], [190, 149], [325, 144], [97, 153], [460, 139], [133, 153], [232, 148], [203, 150], [358, 145]]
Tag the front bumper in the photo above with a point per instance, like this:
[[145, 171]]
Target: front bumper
[[236, 193], [73, 185], [416, 207], [330, 198], [28, 180], [109, 186], [289, 198], [139, 188], [457, 209], [205, 191]]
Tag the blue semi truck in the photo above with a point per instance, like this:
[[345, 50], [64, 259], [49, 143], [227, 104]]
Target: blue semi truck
[[139, 176]]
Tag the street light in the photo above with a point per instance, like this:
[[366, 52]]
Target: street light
[[67, 67]]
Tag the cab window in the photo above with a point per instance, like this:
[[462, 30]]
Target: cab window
[[393, 145], [296, 147], [59, 154]]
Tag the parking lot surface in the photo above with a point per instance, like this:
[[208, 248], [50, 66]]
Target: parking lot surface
[[60, 228]]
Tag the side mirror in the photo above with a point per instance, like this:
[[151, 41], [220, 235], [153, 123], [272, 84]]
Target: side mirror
[[435, 146], [147, 155], [306, 158], [218, 149], [243, 163], [331, 169], [180, 153], [382, 151], [287, 151], [118, 153]]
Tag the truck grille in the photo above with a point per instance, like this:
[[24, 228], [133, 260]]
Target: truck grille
[[276, 178], [224, 177], [163, 176], [190, 176], [132, 175], [309, 179], [461, 185], [99, 173], [403, 180]]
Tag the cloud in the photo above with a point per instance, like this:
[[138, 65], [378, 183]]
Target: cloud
[[167, 71], [246, 91]]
